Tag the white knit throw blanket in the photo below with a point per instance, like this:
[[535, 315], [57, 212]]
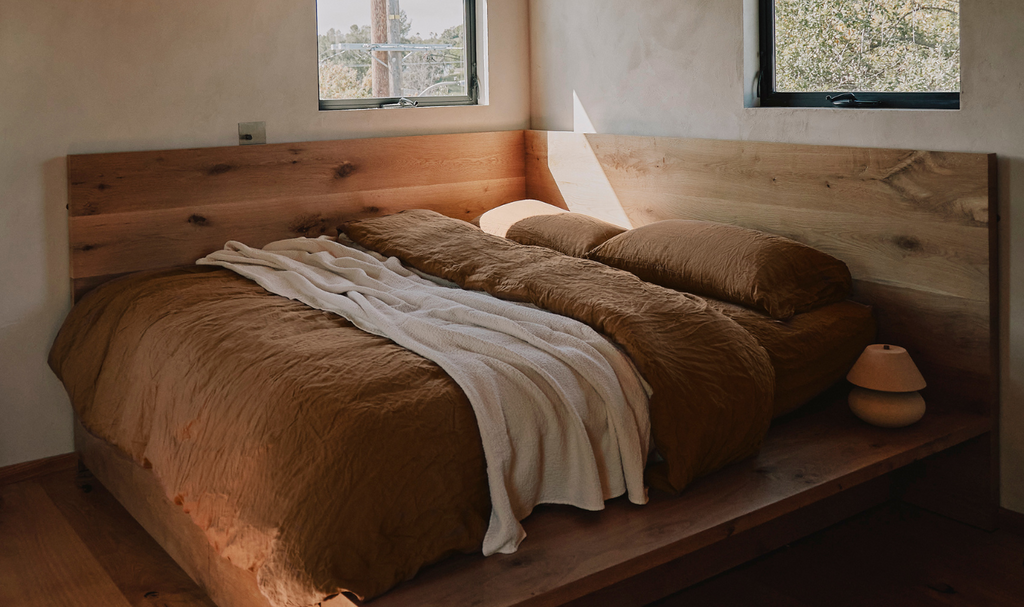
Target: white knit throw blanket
[[562, 412]]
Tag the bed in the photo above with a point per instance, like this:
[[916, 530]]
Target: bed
[[190, 202]]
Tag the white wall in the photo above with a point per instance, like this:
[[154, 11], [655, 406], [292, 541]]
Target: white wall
[[122, 75], [676, 68]]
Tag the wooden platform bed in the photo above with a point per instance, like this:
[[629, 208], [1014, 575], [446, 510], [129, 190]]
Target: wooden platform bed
[[918, 230]]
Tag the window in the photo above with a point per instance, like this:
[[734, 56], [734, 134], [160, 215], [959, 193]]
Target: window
[[396, 53], [860, 53]]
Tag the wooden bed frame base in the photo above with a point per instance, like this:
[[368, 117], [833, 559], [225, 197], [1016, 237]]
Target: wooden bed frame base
[[817, 467], [918, 229], [141, 494]]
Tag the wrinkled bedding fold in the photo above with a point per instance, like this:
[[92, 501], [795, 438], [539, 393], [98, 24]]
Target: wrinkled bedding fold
[[713, 383], [562, 413]]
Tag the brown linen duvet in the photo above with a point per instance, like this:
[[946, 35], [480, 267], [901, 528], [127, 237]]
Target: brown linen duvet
[[324, 458]]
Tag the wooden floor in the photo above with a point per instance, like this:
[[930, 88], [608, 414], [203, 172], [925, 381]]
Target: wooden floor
[[892, 555], [70, 543]]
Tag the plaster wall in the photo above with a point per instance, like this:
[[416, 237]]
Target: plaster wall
[[122, 75], [671, 68]]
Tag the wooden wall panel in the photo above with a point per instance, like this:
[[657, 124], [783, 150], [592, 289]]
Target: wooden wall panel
[[100, 184], [144, 210], [127, 242], [913, 226]]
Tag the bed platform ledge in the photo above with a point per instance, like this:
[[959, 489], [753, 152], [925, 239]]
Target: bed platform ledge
[[816, 467]]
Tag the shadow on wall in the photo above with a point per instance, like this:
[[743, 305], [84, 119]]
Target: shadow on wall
[[32, 401], [55, 194], [1011, 309]]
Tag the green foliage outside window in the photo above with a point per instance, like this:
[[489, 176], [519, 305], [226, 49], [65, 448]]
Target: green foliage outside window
[[347, 75], [867, 45]]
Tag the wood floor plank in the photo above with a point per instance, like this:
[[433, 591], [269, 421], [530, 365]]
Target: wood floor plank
[[43, 561], [981, 568], [749, 593], [136, 563], [892, 555]]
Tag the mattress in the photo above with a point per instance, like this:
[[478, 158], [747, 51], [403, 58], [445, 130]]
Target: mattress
[[810, 351]]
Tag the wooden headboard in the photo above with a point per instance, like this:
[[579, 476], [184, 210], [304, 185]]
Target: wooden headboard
[[145, 210], [916, 228]]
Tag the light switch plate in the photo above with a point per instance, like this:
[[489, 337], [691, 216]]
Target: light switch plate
[[252, 133]]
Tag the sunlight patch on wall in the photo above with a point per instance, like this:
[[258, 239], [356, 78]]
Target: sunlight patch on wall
[[580, 120], [578, 173]]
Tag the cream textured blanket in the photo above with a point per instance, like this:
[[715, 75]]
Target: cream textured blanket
[[562, 412]]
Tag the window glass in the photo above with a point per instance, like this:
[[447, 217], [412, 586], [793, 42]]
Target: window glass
[[374, 52], [861, 46]]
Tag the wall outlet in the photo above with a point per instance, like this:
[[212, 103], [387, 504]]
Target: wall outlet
[[251, 133]]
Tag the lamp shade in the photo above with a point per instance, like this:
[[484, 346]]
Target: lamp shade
[[886, 368]]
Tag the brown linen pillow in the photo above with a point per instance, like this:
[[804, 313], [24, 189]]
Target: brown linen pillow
[[498, 220], [762, 271], [569, 233]]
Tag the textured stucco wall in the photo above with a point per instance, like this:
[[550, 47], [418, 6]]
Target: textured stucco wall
[[666, 67], [122, 75]]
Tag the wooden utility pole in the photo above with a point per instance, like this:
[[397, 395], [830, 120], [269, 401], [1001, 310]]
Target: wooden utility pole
[[379, 35], [395, 37]]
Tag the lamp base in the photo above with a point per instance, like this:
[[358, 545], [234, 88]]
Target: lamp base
[[887, 409]]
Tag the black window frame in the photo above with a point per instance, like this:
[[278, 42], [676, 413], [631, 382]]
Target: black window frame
[[472, 81], [769, 97]]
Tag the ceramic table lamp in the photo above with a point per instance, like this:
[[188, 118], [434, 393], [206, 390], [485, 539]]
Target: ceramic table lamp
[[887, 382]]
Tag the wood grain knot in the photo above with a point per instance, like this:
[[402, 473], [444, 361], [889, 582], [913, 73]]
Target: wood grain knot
[[344, 170], [309, 225], [219, 169], [198, 220], [521, 561], [103, 187], [372, 210], [908, 243]]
